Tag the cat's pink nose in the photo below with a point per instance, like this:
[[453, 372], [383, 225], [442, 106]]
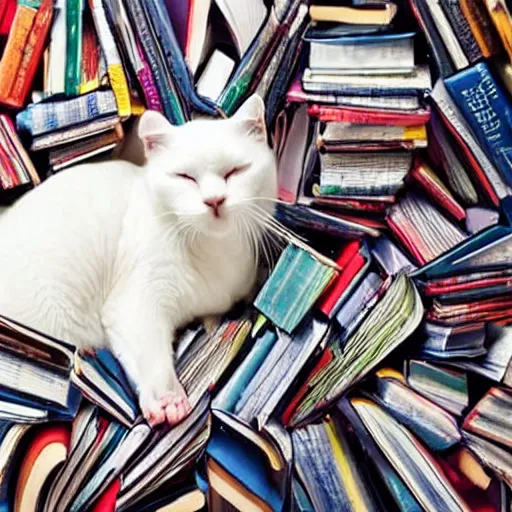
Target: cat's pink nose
[[215, 203]]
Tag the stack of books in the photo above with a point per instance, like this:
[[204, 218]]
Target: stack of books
[[362, 92], [374, 367]]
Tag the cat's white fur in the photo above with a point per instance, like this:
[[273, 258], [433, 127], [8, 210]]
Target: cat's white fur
[[120, 256]]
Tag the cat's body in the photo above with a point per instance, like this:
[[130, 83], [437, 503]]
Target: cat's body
[[120, 256]]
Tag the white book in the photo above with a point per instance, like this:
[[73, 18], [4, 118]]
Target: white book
[[215, 75], [55, 83], [356, 54], [244, 18]]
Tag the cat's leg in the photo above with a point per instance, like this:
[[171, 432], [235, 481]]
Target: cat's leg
[[142, 341]]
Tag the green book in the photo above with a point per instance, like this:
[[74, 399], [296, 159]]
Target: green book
[[74, 47]]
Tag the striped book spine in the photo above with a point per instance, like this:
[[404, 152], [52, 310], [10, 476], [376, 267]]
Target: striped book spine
[[40, 118], [115, 69]]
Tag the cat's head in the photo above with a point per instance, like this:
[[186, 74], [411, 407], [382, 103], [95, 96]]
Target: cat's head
[[214, 175]]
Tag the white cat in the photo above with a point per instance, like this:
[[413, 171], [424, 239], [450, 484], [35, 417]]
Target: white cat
[[120, 256]]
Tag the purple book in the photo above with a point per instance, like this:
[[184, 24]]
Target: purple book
[[178, 12]]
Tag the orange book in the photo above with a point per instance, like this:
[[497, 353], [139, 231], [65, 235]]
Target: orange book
[[23, 52], [14, 49], [45, 454], [500, 15], [32, 55]]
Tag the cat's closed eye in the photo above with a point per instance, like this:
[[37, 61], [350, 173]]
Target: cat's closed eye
[[233, 172], [186, 177]]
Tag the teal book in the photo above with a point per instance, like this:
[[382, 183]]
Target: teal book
[[290, 292]]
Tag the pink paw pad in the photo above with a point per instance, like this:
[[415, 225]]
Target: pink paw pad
[[172, 407]]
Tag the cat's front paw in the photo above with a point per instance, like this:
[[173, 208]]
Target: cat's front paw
[[172, 407]]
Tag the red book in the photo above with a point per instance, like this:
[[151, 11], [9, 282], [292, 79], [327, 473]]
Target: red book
[[292, 406], [433, 289], [350, 262], [7, 11], [107, 501], [436, 190], [357, 115]]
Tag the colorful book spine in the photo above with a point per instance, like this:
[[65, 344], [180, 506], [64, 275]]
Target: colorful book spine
[[115, 70], [147, 82], [39, 118], [487, 110], [90, 55], [74, 13], [23, 51]]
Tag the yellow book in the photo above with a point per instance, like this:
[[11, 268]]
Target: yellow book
[[346, 464], [353, 16]]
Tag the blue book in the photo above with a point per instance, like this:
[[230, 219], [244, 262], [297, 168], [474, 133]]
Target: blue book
[[244, 462], [230, 394], [485, 106]]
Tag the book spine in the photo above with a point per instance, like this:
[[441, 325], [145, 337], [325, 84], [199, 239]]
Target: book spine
[[439, 52], [8, 177], [481, 27], [253, 62], [41, 118], [364, 116], [113, 59], [14, 49], [171, 108], [461, 28], [10, 132], [486, 108], [90, 55], [74, 47], [500, 15], [33, 51], [147, 82]]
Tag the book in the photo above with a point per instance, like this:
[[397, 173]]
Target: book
[[424, 230], [387, 53], [326, 466], [358, 355], [286, 297], [415, 465], [215, 75], [47, 451], [41, 118], [74, 26], [500, 15], [487, 418], [461, 27], [477, 94], [363, 174], [439, 432], [368, 85], [377, 16]]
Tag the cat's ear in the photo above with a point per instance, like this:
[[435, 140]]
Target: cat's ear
[[251, 117], [155, 132]]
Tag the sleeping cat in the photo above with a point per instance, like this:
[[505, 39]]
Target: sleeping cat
[[118, 255]]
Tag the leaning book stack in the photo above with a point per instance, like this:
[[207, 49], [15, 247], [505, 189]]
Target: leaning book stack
[[373, 370]]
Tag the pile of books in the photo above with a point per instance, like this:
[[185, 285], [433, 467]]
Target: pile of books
[[374, 368]]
